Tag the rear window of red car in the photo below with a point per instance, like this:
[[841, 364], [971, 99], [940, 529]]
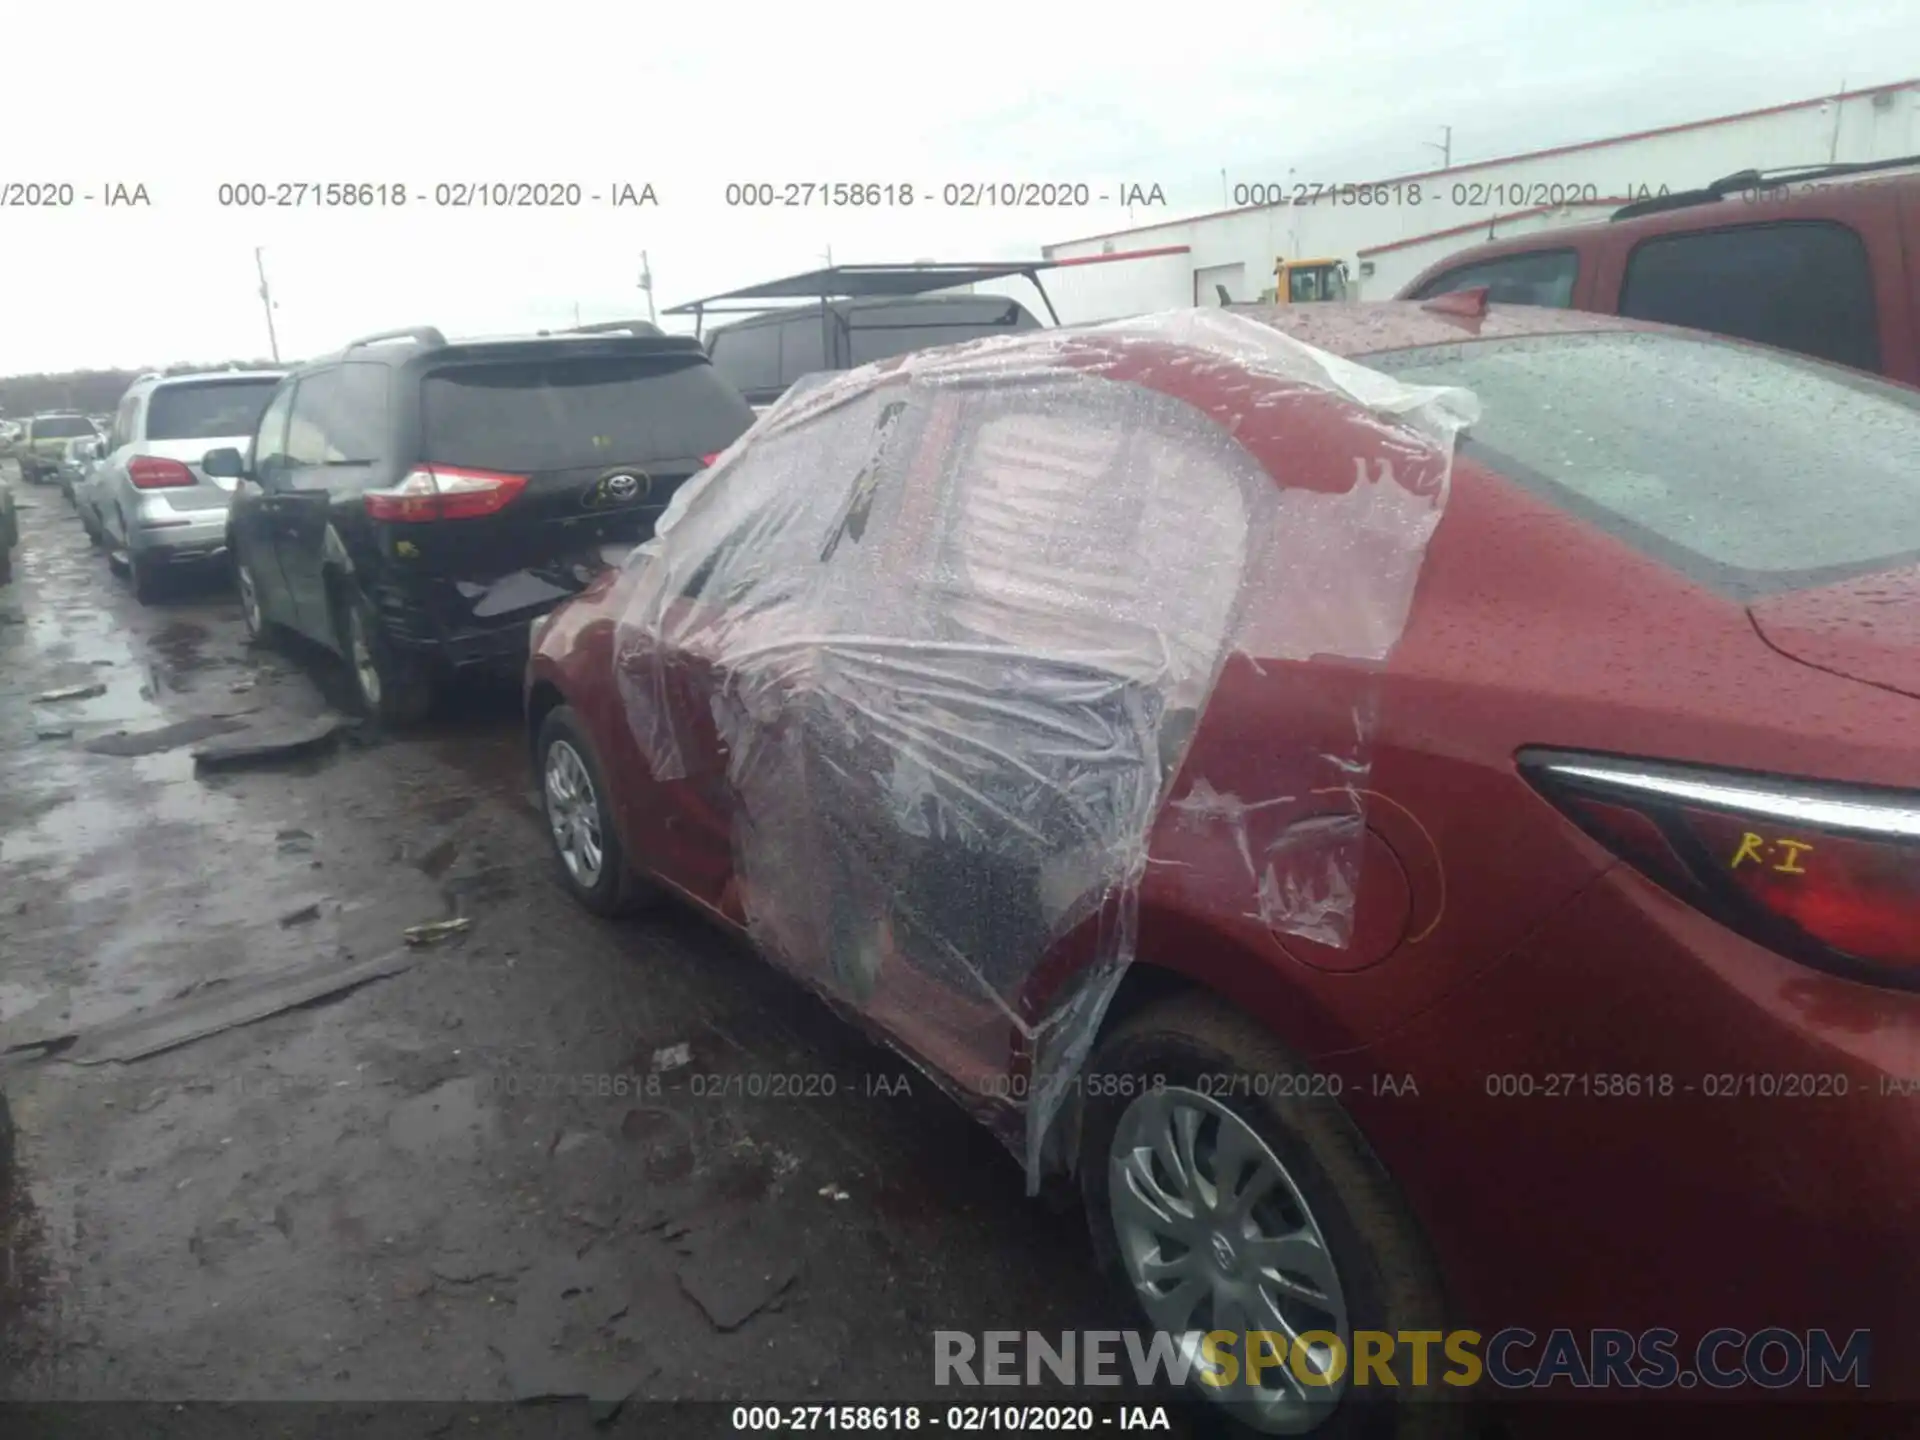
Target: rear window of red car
[[1749, 469]]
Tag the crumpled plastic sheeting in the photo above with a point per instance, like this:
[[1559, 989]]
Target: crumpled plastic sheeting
[[943, 628]]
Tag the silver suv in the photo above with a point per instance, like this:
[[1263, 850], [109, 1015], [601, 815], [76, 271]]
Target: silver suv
[[148, 500]]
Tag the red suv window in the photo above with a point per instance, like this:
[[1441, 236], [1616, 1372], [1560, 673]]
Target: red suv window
[[1538, 277], [1802, 285]]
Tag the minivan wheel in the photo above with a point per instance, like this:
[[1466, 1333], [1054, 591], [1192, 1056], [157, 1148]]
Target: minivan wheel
[[575, 800], [1226, 1190], [393, 688], [250, 612]]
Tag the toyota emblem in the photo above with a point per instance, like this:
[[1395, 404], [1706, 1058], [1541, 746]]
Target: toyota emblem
[[623, 486]]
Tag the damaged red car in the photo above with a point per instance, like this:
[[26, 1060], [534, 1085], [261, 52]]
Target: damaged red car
[[1415, 810]]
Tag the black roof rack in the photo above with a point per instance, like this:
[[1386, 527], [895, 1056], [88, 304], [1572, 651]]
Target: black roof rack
[[1748, 180], [432, 338], [857, 282], [420, 334]]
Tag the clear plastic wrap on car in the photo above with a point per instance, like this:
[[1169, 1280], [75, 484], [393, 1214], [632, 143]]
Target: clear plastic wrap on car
[[945, 633]]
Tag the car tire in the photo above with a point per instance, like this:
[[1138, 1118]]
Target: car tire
[[393, 688], [1331, 1189], [575, 805], [118, 552], [146, 577], [252, 615]]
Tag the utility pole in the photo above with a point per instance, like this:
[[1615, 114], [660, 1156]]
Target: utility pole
[[1445, 147], [266, 299], [646, 284]]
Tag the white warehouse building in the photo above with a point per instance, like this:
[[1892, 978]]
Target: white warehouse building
[[1408, 222]]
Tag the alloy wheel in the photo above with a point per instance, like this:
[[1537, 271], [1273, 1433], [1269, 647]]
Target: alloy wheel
[[249, 599], [573, 814], [366, 671], [1214, 1234]]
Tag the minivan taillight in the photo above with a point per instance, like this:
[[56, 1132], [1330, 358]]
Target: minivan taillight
[[707, 460], [1826, 874], [441, 492], [149, 472]]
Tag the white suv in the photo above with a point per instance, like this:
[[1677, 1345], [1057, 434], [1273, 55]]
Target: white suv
[[148, 501]]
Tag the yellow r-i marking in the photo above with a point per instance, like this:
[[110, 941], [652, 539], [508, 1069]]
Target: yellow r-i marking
[[1753, 851], [1791, 865]]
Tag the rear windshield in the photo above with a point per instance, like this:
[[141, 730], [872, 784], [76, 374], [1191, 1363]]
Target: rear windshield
[[558, 414], [1751, 469], [62, 427], [217, 410]]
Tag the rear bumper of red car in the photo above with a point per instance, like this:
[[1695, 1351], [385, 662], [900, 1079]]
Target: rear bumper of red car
[[1640, 1120]]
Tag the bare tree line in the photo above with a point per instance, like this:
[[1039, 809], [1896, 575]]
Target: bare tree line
[[91, 392]]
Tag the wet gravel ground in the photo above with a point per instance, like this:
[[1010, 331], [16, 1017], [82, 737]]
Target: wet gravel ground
[[462, 1181]]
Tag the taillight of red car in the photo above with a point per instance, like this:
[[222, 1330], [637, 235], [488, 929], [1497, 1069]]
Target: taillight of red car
[[1826, 874], [442, 492], [149, 472]]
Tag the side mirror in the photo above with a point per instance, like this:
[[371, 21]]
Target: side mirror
[[226, 463]]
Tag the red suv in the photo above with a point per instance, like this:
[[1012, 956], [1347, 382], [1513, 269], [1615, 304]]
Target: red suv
[[1818, 260]]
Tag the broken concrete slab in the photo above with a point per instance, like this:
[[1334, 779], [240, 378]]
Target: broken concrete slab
[[737, 1270], [165, 737], [300, 914], [243, 1002], [70, 692], [435, 931], [257, 747], [553, 1348]]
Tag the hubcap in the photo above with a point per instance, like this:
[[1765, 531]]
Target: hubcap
[[366, 673], [249, 599], [1215, 1235], [573, 814]]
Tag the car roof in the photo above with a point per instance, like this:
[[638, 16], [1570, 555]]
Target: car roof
[[872, 302], [1370, 327], [1731, 209], [583, 344], [203, 377]]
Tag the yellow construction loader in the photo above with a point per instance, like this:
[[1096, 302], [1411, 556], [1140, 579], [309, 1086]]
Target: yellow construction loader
[[1299, 282]]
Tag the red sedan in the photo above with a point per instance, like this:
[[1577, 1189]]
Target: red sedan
[[1523, 929]]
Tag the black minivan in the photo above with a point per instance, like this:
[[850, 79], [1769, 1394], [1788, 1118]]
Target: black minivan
[[413, 503]]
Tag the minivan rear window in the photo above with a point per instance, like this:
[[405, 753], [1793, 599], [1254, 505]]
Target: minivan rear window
[[1747, 468], [215, 410], [568, 413]]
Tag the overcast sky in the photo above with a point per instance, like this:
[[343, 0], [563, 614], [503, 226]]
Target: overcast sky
[[183, 96]]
